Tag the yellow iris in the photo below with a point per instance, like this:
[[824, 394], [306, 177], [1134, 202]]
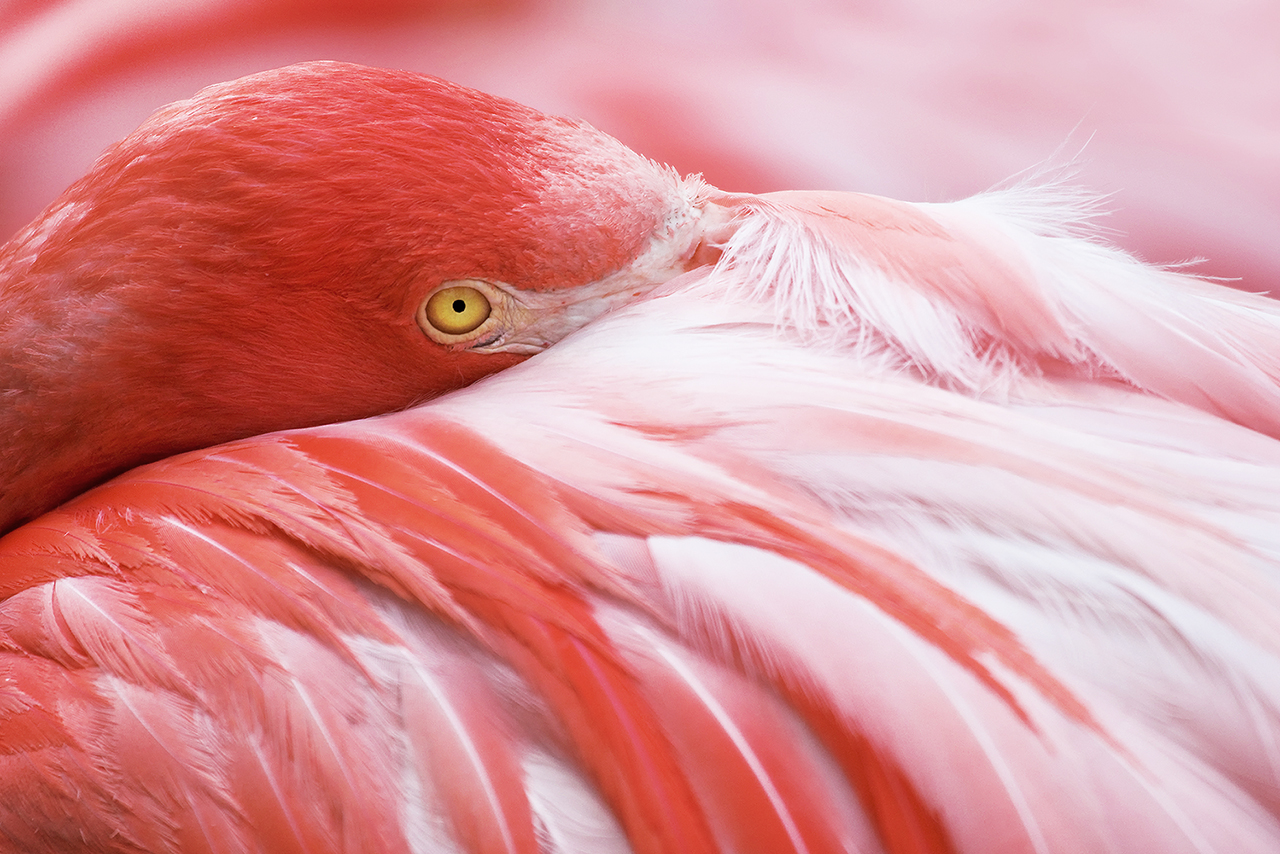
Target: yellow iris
[[457, 310]]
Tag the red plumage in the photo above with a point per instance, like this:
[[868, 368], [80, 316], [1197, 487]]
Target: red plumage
[[873, 531]]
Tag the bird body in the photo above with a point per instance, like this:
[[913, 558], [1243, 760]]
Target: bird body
[[861, 526]]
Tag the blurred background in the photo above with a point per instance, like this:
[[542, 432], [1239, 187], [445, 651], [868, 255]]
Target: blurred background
[[1172, 107]]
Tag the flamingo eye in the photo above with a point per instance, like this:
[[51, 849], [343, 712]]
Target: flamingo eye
[[456, 310]]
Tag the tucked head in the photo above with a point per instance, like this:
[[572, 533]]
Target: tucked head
[[313, 244]]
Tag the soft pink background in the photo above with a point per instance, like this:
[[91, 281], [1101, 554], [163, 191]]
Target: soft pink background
[[1173, 106]]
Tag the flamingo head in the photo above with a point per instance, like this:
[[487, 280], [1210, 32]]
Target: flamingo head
[[313, 244]]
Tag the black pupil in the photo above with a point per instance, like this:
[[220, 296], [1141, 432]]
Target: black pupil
[[459, 305]]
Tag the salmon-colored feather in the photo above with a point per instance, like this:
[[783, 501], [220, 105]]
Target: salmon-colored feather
[[854, 525]]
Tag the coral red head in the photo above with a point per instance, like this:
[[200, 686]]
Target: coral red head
[[258, 257]]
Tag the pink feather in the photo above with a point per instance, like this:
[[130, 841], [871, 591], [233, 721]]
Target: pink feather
[[892, 527]]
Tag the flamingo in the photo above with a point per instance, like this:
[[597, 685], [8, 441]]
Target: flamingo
[[476, 484]]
